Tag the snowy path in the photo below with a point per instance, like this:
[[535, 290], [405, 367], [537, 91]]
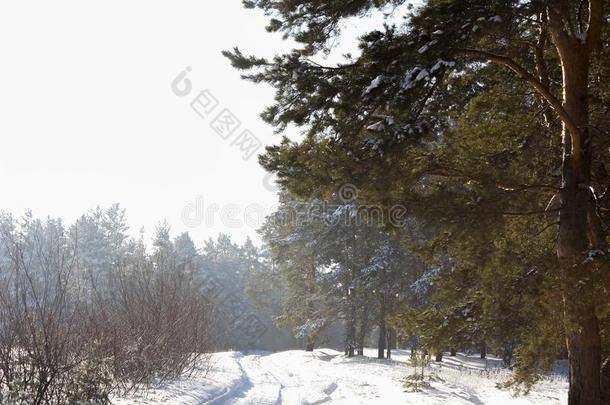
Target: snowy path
[[261, 387], [326, 376], [267, 380]]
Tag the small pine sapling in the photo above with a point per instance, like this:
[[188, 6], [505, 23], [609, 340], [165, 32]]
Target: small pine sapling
[[422, 376]]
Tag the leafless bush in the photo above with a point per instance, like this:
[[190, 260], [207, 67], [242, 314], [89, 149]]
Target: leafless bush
[[154, 322], [67, 336], [44, 343]]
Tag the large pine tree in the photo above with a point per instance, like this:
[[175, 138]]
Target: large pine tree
[[379, 120]]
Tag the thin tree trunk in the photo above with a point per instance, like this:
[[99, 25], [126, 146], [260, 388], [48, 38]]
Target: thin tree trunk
[[391, 342], [350, 331], [310, 302], [362, 330], [507, 355], [439, 356], [382, 327], [483, 350], [453, 352], [349, 338], [391, 338]]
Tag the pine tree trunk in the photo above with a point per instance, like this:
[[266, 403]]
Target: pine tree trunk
[[350, 322], [349, 339], [350, 327], [579, 228], [507, 355], [439, 356], [391, 342], [584, 354], [310, 303], [363, 330], [382, 328], [483, 350], [388, 346], [453, 352], [391, 338]]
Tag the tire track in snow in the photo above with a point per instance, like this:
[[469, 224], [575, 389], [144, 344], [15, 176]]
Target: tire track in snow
[[259, 386], [302, 385], [290, 385], [243, 384]]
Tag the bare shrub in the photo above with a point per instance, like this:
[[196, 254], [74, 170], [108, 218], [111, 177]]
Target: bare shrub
[[154, 322], [70, 336]]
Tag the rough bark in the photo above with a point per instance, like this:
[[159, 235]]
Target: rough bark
[[578, 229]]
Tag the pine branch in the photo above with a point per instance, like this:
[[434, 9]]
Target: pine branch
[[541, 212], [554, 102], [511, 188]]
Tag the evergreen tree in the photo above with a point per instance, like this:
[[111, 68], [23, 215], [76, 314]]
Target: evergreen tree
[[382, 119], [335, 265], [290, 234]]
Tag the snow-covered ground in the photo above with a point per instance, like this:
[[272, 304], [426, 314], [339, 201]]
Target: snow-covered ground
[[326, 376]]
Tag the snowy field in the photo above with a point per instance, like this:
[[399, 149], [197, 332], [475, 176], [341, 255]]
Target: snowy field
[[326, 376]]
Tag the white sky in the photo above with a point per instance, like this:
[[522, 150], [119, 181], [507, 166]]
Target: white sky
[[88, 117]]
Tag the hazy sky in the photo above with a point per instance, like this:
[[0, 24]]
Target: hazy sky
[[88, 116]]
